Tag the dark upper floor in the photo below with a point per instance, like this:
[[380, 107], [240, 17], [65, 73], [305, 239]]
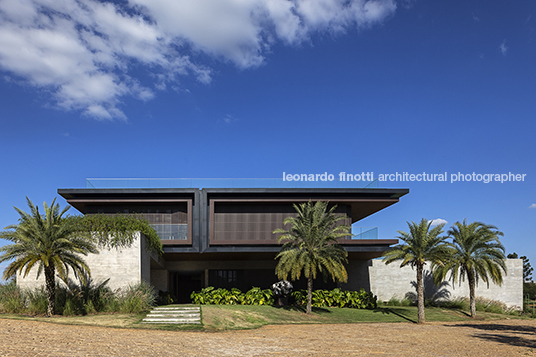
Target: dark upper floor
[[216, 220]]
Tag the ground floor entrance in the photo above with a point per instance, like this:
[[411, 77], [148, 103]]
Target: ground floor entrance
[[183, 284]]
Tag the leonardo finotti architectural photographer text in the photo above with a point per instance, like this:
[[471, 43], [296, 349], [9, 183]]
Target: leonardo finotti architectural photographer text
[[407, 177]]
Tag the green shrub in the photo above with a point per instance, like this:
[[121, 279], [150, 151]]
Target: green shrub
[[489, 305], [69, 308], [457, 303], [137, 298], [203, 297], [337, 298], [529, 307], [90, 308], [394, 301], [529, 289], [78, 299], [80, 294], [211, 296], [257, 296], [166, 298], [37, 301], [481, 304], [111, 303], [11, 298], [12, 305], [225, 297]]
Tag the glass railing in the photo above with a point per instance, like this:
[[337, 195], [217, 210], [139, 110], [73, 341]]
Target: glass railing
[[223, 183], [365, 232], [172, 231]]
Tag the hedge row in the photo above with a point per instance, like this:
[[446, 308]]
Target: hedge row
[[256, 296], [211, 296], [337, 298]]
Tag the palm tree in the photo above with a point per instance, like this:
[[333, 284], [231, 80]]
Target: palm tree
[[477, 254], [310, 245], [49, 241], [421, 244]]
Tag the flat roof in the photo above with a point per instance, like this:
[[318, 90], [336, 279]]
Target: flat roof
[[364, 201], [322, 180]]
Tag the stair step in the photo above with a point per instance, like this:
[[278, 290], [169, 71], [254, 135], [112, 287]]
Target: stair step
[[170, 320], [173, 315], [175, 311]]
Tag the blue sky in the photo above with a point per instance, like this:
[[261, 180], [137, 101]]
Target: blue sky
[[253, 89]]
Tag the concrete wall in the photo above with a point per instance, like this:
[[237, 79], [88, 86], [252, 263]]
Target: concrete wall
[[30, 281], [131, 265], [358, 275], [145, 261], [123, 266], [159, 279], [387, 281]]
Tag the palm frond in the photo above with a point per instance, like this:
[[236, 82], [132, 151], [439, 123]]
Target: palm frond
[[310, 245]]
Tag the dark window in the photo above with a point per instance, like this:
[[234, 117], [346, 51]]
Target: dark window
[[226, 279]]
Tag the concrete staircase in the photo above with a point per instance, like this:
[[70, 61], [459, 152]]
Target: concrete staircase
[[173, 315]]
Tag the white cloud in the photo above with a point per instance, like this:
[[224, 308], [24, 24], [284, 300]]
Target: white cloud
[[532, 205], [503, 48], [228, 119], [88, 54], [438, 221]]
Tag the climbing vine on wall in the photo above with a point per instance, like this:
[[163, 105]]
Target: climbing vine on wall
[[118, 230]]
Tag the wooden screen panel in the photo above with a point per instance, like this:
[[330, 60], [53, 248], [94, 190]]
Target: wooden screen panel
[[239, 223]]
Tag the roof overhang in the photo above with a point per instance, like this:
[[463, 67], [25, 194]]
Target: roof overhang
[[80, 198], [364, 201]]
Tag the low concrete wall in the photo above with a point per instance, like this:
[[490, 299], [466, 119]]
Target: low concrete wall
[[387, 281], [131, 265], [125, 266], [30, 281]]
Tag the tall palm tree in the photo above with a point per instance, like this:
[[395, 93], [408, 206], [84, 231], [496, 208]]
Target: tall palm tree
[[48, 241], [421, 244], [477, 254], [311, 246]]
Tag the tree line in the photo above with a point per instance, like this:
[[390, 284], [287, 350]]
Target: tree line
[[469, 251]]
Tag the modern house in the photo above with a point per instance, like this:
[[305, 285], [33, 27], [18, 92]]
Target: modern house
[[223, 236]]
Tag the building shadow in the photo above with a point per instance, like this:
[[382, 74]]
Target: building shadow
[[303, 309], [504, 333], [394, 311], [433, 294]]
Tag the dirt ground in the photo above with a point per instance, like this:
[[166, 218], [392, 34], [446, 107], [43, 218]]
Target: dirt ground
[[478, 338]]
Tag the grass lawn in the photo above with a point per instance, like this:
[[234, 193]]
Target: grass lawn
[[225, 317], [232, 317]]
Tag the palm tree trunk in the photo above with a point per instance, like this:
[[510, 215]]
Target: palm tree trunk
[[472, 298], [50, 282], [309, 293], [420, 295]]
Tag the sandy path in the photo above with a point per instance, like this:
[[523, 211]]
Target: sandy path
[[479, 338]]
